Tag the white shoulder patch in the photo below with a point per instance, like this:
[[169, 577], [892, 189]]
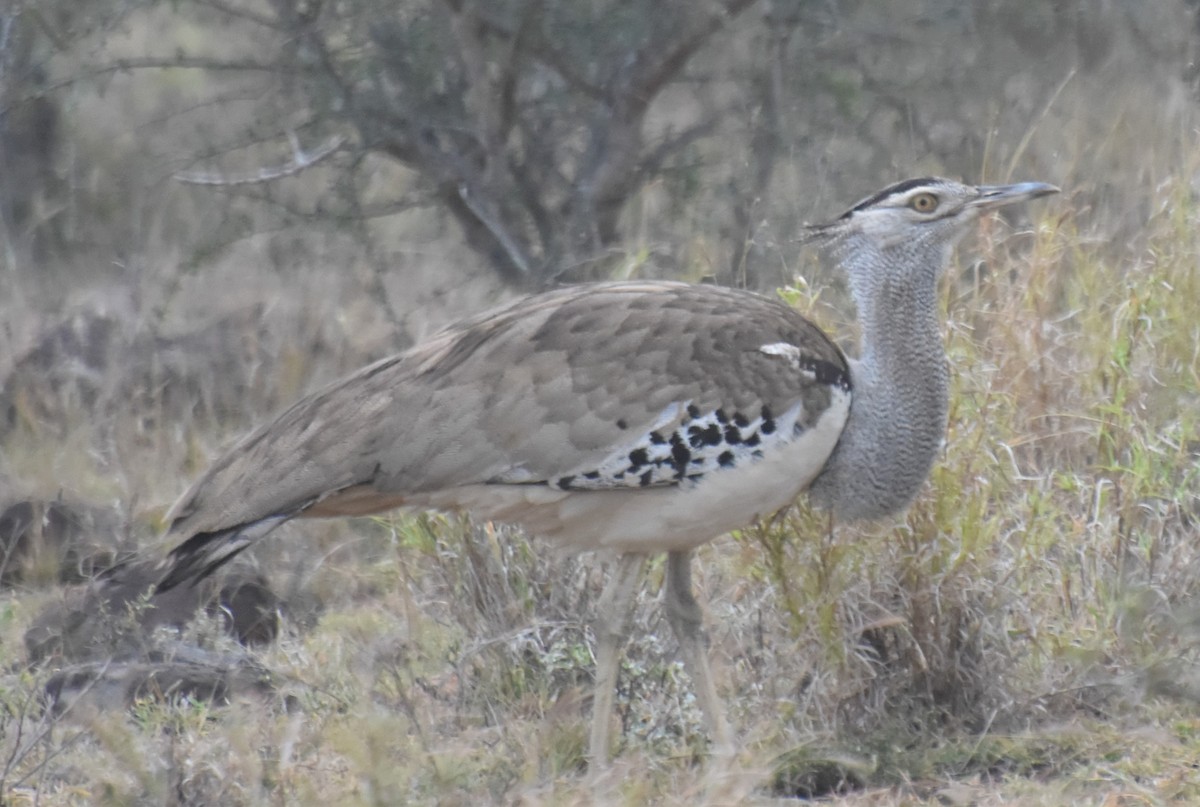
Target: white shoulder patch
[[788, 351], [781, 349]]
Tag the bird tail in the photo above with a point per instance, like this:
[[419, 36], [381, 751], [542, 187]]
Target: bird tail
[[205, 552]]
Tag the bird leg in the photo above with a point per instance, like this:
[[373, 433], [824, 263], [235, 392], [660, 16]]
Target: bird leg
[[612, 629], [687, 621]]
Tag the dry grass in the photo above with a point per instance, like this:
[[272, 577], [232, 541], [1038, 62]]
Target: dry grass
[[1027, 633]]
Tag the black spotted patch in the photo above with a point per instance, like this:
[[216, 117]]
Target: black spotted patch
[[701, 443]]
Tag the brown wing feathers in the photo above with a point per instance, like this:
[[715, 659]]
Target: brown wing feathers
[[528, 393]]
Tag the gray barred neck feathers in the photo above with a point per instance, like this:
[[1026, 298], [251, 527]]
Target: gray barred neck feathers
[[898, 410], [893, 281], [893, 246]]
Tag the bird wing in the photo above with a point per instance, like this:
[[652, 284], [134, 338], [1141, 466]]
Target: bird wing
[[569, 388]]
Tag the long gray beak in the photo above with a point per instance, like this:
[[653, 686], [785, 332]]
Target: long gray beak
[[993, 196]]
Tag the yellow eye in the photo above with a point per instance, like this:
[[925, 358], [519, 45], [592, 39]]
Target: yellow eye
[[923, 203]]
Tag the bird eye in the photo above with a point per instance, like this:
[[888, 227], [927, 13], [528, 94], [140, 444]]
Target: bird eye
[[923, 203]]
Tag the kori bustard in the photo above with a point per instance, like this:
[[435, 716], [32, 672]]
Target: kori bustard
[[639, 417]]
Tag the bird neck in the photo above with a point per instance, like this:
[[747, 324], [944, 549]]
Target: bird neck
[[900, 397], [901, 334]]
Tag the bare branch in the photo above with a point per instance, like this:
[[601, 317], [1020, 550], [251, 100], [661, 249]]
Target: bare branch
[[45, 726], [765, 140], [48, 30], [656, 66], [241, 13], [185, 62], [310, 35], [528, 191], [512, 249], [652, 163], [6, 26], [255, 137], [526, 29], [413, 201], [300, 161], [480, 98], [180, 62], [530, 183], [543, 51], [217, 101]]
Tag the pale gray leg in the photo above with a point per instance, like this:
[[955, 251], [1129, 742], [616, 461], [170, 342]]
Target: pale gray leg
[[612, 629], [687, 621]]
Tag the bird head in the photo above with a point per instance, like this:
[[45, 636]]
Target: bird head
[[912, 225]]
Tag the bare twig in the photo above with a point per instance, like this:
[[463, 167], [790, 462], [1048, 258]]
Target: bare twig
[[46, 725], [358, 212], [180, 62], [480, 97], [537, 46], [512, 249], [529, 191], [241, 13], [653, 162], [656, 65], [300, 161], [526, 31], [6, 25]]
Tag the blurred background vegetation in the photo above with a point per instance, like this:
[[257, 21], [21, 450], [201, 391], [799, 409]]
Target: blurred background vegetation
[[209, 207]]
